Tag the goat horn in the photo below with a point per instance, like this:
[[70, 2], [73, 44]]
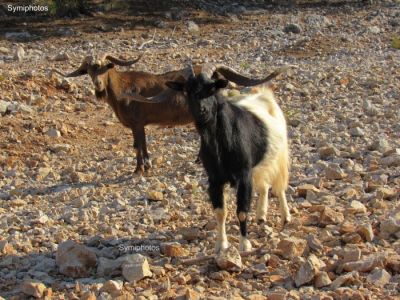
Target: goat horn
[[122, 62], [161, 97], [82, 70], [58, 72], [209, 69], [236, 77]]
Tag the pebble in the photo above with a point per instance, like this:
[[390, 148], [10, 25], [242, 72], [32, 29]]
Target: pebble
[[322, 279], [4, 50], [3, 107], [379, 277], [155, 195], [328, 152], [356, 132], [334, 172], [290, 248], [390, 226], [54, 133], [19, 54], [293, 28], [193, 27], [6, 248]]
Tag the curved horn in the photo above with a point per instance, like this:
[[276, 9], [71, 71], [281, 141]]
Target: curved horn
[[82, 70], [234, 76], [161, 97], [121, 62]]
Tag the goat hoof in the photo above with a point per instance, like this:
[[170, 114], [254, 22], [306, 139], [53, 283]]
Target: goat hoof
[[139, 170], [286, 220], [221, 246], [244, 245], [261, 221], [147, 165], [261, 218]]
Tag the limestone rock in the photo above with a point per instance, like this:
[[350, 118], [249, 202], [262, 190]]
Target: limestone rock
[[356, 207], [330, 216], [351, 254], [290, 248], [75, 260], [173, 250], [322, 279], [308, 270], [334, 172], [111, 286], [379, 277], [366, 232], [6, 248], [136, 269], [33, 288], [19, 54], [292, 28], [193, 27], [302, 190], [366, 264], [343, 279], [155, 195], [229, 259], [328, 152], [390, 226]]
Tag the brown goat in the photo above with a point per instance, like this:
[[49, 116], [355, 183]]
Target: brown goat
[[111, 84]]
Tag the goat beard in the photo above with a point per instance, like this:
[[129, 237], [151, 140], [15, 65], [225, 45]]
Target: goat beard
[[101, 94]]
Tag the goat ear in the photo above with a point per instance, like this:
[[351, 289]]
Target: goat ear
[[110, 65], [177, 86], [221, 83]]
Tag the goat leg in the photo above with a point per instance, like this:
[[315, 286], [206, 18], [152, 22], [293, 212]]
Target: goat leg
[[138, 146], [243, 206], [147, 161]]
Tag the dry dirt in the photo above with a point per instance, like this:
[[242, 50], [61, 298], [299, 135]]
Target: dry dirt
[[342, 104]]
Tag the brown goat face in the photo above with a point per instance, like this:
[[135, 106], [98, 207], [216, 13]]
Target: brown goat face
[[98, 72]]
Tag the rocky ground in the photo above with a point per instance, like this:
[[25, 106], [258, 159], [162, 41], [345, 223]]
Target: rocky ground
[[77, 223]]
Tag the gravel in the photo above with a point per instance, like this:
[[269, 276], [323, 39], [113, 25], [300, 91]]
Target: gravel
[[66, 163]]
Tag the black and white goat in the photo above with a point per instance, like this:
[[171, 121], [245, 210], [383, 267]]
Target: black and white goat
[[243, 143]]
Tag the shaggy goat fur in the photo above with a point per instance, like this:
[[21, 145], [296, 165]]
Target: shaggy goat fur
[[243, 143]]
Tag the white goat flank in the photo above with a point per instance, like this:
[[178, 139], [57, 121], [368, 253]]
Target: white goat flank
[[274, 167]]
